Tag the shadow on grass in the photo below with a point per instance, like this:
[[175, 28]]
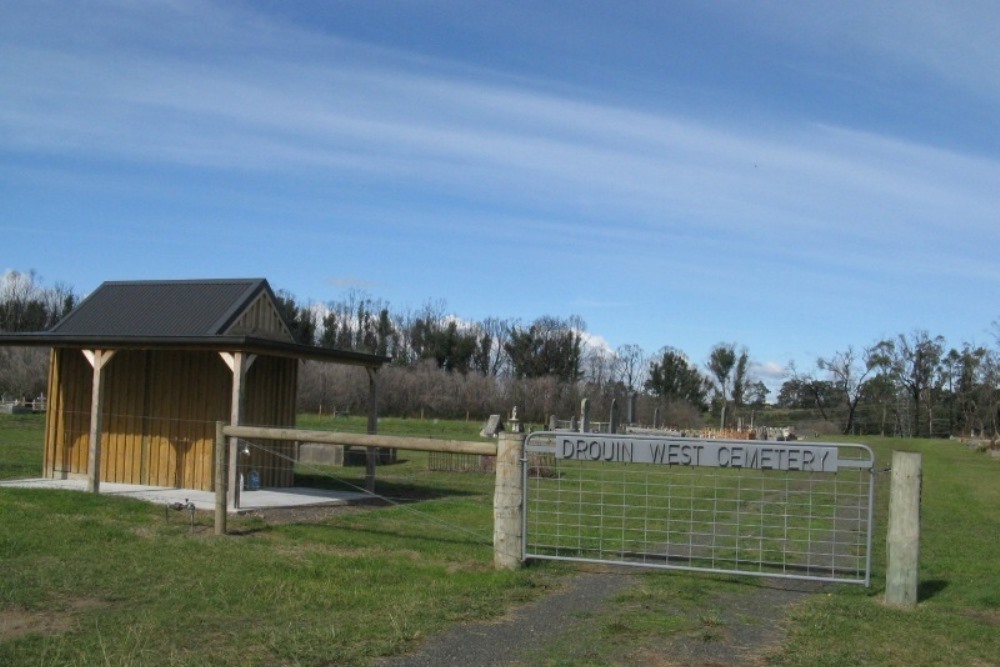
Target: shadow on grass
[[928, 589], [397, 491]]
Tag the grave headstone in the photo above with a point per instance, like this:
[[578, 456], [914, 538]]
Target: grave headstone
[[493, 427]]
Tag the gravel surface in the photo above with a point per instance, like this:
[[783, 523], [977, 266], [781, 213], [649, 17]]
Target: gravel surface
[[492, 644], [744, 628]]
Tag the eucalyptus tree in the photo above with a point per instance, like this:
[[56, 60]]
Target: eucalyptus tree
[[730, 370], [550, 346], [970, 386], [673, 377], [848, 371], [806, 392], [26, 305], [301, 319], [913, 362]]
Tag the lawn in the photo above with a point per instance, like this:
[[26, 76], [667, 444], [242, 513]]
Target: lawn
[[90, 580], [957, 620]]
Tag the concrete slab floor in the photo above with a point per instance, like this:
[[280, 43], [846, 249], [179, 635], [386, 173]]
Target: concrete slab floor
[[202, 500]]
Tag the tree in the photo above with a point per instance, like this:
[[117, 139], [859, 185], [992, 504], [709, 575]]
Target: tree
[[27, 306], [629, 364], [804, 391], [493, 337], [848, 374], [301, 319], [913, 362], [674, 378], [730, 371], [550, 346], [357, 322], [756, 394]]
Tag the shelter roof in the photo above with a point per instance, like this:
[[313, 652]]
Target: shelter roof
[[163, 308], [222, 315]]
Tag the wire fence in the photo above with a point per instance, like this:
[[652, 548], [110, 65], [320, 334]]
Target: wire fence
[[178, 453], [405, 480]]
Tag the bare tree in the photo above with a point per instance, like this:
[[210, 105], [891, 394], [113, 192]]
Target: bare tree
[[630, 366], [848, 372]]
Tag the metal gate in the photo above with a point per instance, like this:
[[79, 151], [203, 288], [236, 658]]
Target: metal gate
[[798, 510]]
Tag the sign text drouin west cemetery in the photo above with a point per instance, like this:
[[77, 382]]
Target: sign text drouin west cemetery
[[760, 455]]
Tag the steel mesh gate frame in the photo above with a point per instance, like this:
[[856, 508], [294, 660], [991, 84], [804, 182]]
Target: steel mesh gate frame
[[723, 515]]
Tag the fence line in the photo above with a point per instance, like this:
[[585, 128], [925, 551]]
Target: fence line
[[507, 545], [341, 480]]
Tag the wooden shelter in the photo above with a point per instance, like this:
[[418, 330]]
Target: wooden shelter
[[141, 372]]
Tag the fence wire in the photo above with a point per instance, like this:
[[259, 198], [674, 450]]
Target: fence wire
[[177, 453], [404, 480], [806, 525]]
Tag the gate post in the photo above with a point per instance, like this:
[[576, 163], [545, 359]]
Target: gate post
[[508, 498], [903, 539]]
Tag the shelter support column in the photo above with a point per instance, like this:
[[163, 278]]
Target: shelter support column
[[239, 363], [98, 360], [220, 479], [371, 452]]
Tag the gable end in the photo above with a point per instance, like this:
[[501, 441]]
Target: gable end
[[261, 319]]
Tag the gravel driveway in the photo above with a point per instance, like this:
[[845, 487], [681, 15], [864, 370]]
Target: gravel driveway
[[745, 628]]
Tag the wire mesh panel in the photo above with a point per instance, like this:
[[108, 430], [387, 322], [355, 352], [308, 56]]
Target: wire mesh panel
[[797, 510]]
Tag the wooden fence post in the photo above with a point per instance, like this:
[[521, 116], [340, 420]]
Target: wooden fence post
[[220, 479], [507, 501], [903, 539]]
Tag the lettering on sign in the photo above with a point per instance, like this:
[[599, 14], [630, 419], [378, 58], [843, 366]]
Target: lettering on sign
[[807, 457]]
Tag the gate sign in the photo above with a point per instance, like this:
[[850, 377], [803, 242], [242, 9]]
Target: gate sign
[[758, 455]]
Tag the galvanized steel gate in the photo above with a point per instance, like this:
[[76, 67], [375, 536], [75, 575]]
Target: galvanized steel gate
[[798, 510]]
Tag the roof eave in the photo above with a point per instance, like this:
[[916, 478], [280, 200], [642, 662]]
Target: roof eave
[[250, 344]]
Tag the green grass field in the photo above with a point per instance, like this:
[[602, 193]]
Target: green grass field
[[90, 580]]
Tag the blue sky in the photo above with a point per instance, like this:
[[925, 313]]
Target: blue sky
[[793, 177]]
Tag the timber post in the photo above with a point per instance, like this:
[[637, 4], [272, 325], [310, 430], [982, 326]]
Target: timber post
[[508, 541], [371, 453], [220, 478], [98, 360], [903, 538]]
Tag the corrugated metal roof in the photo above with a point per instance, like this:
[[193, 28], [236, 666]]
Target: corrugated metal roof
[[161, 308]]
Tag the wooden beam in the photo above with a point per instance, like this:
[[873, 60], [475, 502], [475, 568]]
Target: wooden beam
[[361, 440]]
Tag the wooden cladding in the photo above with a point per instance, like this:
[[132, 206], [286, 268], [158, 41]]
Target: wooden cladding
[[159, 414], [262, 319]]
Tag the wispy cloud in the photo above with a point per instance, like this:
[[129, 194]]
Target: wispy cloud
[[444, 150]]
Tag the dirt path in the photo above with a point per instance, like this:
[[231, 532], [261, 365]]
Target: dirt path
[[499, 643], [722, 630]]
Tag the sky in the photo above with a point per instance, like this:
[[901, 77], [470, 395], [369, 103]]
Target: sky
[[791, 177]]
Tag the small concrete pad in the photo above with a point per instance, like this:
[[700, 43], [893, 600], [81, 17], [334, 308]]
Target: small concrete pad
[[202, 500]]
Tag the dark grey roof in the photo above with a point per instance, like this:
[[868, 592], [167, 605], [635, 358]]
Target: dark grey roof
[[162, 308], [175, 314]]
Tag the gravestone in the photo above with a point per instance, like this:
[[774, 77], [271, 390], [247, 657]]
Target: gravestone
[[493, 427]]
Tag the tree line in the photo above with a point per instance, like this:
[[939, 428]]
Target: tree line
[[444, 366], [909, 385]]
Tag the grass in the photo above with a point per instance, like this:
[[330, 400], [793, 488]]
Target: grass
[[21, 438], [90, 580], [957, 620]]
